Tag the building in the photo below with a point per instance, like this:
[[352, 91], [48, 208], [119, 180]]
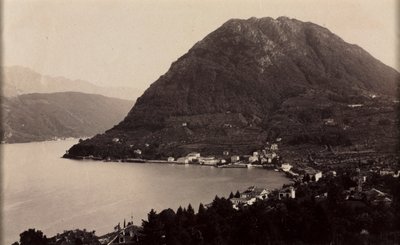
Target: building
[[287, 192], [208, 161], [314, 175], [329, 122], [273, 155], [127, 235], [170, 159], [355, 105], [269, 157], [225, 153], [235, 158], [332, 173], [255, 192], [182, 160], [237, 201], [250, 196], [274, 147], [286, 167], [318, 175], [193, 156], [253, 159], [137, 152], [227, 125]]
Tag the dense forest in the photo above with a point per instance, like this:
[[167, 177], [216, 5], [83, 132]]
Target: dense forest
[[304, 220]]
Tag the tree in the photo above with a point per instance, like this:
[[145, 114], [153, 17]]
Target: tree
[[78, 241], [334, 194], [153, 232], [223, 207], [201, 208], [179, 211], [237, 194], [190, 216], [32, 237], [167, 216], [190, 209]]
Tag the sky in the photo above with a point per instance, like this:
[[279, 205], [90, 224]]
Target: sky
[[133, 42]]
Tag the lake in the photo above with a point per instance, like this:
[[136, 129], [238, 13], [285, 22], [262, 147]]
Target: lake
[[43, 191]]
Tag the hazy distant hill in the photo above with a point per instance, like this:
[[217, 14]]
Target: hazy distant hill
[[253, 80], [37, 117], [20, 80]]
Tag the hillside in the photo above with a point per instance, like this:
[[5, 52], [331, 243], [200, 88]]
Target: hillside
[[38, 117], [20, 80], [253, 80]]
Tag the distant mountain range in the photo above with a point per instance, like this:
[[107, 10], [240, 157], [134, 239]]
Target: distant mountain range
[[253, 80], [20, 80], [38, 117], [38, 107]]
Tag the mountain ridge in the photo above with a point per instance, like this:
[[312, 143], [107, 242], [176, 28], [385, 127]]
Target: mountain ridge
[[39, 117], [19, 80]]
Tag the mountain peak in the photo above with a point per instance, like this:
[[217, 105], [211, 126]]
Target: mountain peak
[[282, 33], [252, 69]]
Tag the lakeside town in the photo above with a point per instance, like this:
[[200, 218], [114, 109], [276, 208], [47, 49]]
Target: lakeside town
[[300, 173], [367, 162]]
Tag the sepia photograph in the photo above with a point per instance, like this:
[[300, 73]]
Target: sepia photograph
[[204, 122]]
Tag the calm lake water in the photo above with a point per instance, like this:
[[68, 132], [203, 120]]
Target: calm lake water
[[43, 191]]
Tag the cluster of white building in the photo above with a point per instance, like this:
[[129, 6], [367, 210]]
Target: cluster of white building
[[263, 156], [196, 157], [252, 194]]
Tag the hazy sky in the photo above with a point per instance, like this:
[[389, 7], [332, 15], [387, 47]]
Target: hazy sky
[[132, 43]]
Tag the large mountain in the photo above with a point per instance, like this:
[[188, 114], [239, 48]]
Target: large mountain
[[251, 81], [21, 80], [37, 117]]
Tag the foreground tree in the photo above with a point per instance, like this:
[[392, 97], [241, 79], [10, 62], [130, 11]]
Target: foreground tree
[[32, 237], [153, 229]]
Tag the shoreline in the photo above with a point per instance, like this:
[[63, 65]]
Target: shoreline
[[159, 161]]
